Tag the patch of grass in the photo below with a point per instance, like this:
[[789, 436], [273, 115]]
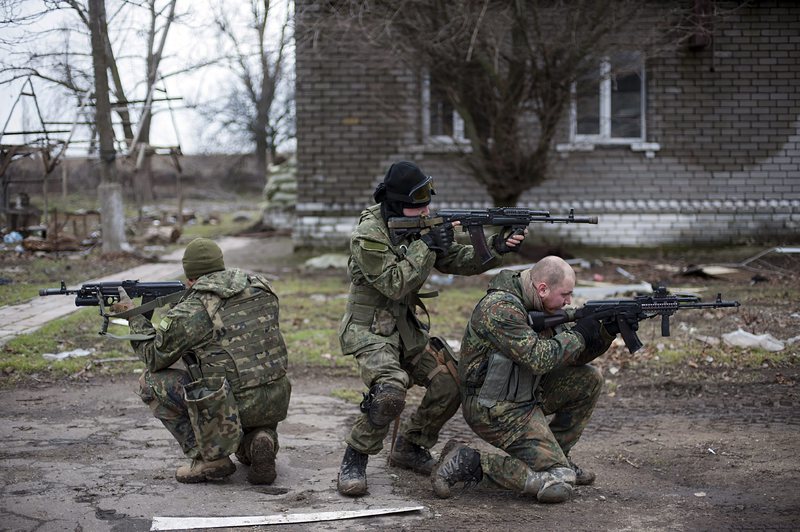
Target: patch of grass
[[315, 347], [23, 355], [348, 394], [226, 225], [28, 272]]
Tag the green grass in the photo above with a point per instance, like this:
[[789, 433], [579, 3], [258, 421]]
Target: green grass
[[28, 273], [224, 226], [23, 356], [348, 394], [312, 305]]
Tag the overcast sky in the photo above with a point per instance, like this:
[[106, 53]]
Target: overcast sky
[[192, 39]]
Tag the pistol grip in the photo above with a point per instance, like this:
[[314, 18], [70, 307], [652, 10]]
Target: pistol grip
[[478, 239], [630, 337]]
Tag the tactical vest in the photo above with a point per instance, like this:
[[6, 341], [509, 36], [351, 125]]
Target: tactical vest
[[508, 381], [246, 346], [365, 302]]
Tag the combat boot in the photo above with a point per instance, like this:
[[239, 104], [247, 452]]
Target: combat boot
[[200, 471], [458, 463], [353, 473], [262, 459], [409, 455], [551, 486], [582, 476]]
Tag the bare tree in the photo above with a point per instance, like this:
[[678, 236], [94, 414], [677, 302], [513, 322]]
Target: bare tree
[[110, 191], [507, 67], [70, 67], [258, 104]]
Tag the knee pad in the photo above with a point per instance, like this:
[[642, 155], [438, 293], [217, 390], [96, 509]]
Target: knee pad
[[382, 404]]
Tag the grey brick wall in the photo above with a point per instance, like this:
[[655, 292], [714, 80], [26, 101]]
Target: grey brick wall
[[726, 118]]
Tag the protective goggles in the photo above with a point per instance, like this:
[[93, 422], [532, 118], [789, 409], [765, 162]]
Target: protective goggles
[[421, 193]]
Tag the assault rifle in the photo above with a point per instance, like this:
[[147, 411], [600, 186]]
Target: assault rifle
[[514, 221], [104, 294], [627, 313]]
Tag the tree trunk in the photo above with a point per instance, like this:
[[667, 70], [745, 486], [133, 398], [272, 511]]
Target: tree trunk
[[109, 191]]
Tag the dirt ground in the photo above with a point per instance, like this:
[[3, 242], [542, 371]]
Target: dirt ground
[[697, 446]]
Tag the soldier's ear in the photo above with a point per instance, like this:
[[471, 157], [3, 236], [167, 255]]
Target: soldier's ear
[[542, 289]]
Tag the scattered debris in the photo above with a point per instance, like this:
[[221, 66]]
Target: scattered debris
[[441, 280], [591, 290], [708, 271], [626, 274], [741, 338], [189, 523], [326, 261], [68, 354], [709, 340]]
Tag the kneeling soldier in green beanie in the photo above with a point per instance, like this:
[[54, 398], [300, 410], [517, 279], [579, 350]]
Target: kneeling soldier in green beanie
[[234, 390]]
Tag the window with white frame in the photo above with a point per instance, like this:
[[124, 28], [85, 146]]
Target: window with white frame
[[440, 121], [609, 108]]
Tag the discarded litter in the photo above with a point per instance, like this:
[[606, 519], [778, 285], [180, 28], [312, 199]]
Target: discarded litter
[[12, 238], [68, 354], [441, 280], [740, 338]]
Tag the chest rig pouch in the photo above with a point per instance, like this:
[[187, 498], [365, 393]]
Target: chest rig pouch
[[246, 347], [506, 381]]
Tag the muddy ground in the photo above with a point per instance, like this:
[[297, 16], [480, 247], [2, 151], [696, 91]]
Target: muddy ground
[[698, 446]]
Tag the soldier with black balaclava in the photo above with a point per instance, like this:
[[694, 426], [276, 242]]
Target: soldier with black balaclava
[[385, 326]]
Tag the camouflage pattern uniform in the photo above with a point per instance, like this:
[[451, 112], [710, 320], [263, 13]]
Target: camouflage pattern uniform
[[380, 327], [226, 330], [513, 417]]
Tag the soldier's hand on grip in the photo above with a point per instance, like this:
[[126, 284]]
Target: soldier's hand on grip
[[509, 240], [589, 329], [439, 238], [124, 303]]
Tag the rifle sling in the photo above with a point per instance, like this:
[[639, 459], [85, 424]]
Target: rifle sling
[[141, 309]]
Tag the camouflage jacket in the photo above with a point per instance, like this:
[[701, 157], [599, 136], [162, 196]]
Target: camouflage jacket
[[499, 323], [248, 348], [385, 283]]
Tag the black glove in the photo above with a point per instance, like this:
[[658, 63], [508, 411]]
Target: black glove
[[589, 329], [500, 245], [612, 326], [439, 238]]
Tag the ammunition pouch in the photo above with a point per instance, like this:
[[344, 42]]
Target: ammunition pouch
[[215, 417], [507, 381], [444, 355]]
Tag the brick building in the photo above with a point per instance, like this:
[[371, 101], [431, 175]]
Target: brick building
[[713, 156]]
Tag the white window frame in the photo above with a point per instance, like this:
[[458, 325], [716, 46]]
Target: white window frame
[[458, 123], [579, 142]]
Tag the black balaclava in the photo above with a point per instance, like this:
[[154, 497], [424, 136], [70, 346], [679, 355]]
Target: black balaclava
[[400, 186]]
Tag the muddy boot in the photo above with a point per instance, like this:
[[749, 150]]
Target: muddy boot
[[551, 486], [409, 455], [582, 476], [458, 463], [353, 473], [262, 459], [200, 471]]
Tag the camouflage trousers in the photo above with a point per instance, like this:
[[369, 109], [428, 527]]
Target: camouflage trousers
[[521, 429], [387, 365], [260, 408]]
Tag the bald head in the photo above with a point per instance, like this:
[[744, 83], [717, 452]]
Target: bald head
[[552, 280], [551, 270]]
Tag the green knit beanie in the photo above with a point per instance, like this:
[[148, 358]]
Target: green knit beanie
[[202, 256]]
